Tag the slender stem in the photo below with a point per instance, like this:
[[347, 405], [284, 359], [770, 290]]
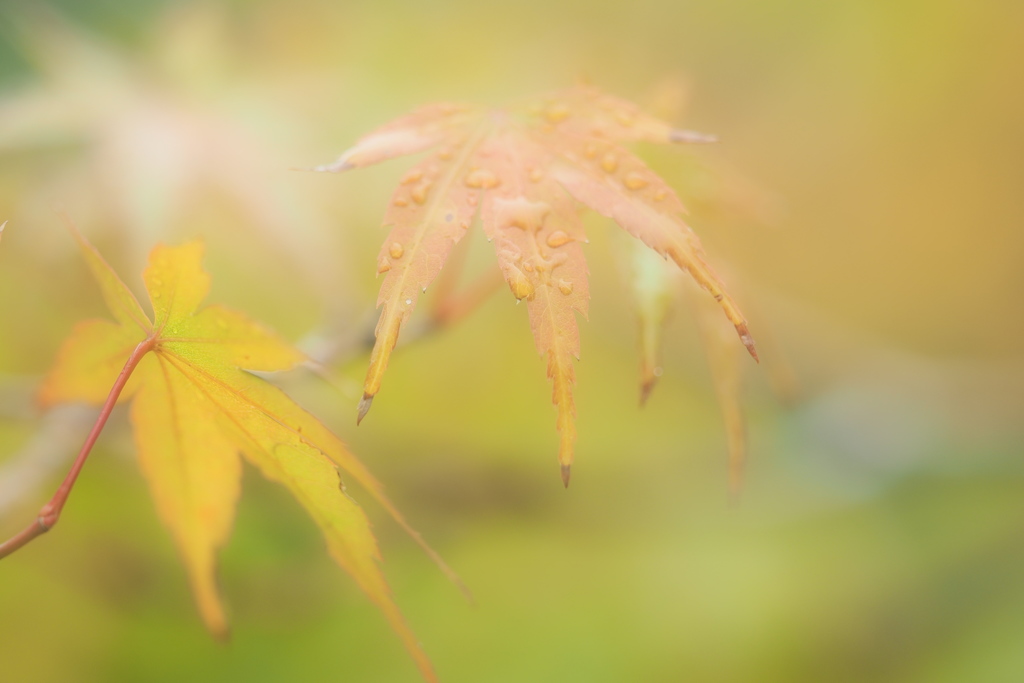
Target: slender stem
[[49, 514]]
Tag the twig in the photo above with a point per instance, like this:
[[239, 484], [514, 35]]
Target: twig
[[49, 514]]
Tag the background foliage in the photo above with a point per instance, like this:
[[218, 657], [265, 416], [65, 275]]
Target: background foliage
[[866, 197]]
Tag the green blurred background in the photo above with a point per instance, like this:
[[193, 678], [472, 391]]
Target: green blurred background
[[868, 198]]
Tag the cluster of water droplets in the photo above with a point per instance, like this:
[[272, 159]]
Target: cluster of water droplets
[[523, 270]]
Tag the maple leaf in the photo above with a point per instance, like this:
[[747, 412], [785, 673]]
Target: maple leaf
[[146, 148], [522, 167], [196, 407], [654, 287]]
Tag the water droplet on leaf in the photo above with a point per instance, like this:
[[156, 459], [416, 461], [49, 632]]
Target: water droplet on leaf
[[412, 176], [556, 113], [521, 287], [558, 238], [635, 181], [482, 178], [419, 193]]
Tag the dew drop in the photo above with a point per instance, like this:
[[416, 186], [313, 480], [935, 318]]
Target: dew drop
[[635, 181], [482, 178], [565, 287], [659, 195], [528, 267], [412, 176], [558, 238], [408, 302], [556, 113], [383, 265], [401, 201], [610, 162], [521, 287], [419, 193], [396, 250]]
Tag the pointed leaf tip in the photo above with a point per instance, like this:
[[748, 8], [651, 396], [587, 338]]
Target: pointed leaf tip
[[735, 487], [566, 472], [222, 634], [692, 137], [748, 341], [646, 387], [336, 167], [364, 407]]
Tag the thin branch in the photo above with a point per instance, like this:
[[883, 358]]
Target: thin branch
[[49, 514]]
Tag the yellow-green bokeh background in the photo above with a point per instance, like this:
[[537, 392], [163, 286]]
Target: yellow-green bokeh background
[[868, 198]]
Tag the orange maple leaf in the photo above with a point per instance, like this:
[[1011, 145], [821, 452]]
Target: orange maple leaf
[[195, 408], [522, 167]]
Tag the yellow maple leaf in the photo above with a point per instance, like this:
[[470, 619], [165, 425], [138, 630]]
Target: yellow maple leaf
[[195, 408]]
